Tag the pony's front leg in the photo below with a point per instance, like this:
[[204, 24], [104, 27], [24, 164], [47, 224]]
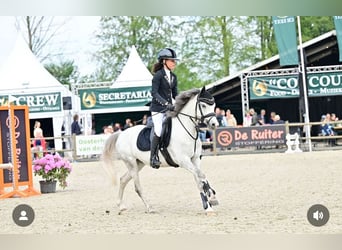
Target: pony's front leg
[[206, 192], [209, 193]]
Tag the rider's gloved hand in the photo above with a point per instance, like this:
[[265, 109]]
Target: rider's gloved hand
[[170, 107]]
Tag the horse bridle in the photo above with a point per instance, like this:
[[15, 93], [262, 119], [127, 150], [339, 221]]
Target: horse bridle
[[195, 119]]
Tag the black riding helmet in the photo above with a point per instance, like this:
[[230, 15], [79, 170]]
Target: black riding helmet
[[167, 53]]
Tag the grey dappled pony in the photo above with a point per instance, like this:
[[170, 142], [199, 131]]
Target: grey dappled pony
[[192, 107]]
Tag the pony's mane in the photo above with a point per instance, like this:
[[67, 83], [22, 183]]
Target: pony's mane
[[182, 99]]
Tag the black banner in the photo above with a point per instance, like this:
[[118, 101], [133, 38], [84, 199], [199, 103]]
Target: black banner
[[5, 144], [21, 145], [250, 136]]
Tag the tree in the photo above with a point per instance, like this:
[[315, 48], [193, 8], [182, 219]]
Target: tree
[[118, 34], [38, 31], [314, 26], [264, 30], [210, 47], [65, 72], [216, 45]]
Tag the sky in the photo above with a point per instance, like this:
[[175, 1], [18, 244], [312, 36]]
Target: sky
[[74, 40]]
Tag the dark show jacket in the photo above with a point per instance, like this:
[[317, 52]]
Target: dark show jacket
[[162, 90]]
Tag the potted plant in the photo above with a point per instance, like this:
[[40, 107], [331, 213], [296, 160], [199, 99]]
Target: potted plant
[[52, 168]]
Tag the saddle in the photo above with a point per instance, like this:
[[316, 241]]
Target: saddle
[[145, 135]]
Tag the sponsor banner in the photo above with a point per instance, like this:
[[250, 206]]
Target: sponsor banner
[[90, 144], [250, 136], [43, 102], [286, 38], [338, 27], [101, 98], [21, 144], [319, 84]]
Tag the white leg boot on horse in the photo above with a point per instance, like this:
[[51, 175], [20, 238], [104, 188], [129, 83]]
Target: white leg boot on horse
[[154, 159], [208, 198]]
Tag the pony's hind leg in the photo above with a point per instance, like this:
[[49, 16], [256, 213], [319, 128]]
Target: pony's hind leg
[[123, 183], [135, 175]]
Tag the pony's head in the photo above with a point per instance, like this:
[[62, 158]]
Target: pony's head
[[204, 106]]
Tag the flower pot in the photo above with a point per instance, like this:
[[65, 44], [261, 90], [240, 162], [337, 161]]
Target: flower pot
[[47, 187]]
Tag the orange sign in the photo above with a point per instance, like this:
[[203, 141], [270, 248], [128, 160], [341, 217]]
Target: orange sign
[[15, 149]]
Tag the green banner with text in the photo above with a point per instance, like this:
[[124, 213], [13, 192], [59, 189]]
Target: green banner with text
[[101, 98], [286, 38], [338, 27], [42, 102], [319, 84]]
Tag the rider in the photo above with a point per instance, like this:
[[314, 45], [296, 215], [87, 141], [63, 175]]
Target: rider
[[164, 91]]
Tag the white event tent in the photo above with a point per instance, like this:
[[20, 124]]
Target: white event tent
[[24, 78], [134, 73]]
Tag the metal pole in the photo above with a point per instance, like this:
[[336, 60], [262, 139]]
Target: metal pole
[[306, 104]]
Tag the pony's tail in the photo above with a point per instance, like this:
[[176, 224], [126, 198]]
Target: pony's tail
[[108, 157]]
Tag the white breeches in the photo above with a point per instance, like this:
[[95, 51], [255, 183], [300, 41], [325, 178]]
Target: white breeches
[[158, 119]]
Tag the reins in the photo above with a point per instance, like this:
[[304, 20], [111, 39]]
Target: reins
[[195, 118]]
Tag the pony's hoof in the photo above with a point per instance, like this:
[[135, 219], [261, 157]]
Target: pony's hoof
[[122, 209], [150, 211], [213, 202], [212, 213]]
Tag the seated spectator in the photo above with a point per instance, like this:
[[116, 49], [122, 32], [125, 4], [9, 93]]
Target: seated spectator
[[247, 120], [272, 115], [262, 117], [128, 124], [202, 135], [219, 116], [327, 129], [254, 116], [117, 127], [277, 120], [224, 119]]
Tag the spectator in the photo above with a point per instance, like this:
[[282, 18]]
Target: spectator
[[272, 115], [75, 126], [254, 116], [224, 119], [277, 120], [327, 129], [262, 117], [231, 120], [108, 130], [144, 120], [39, 141], [128, 124], [219, 116], [247, 120], [117, 127]]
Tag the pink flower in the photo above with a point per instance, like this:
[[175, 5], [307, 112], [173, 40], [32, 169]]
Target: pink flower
[[52, 167], [37, 167]]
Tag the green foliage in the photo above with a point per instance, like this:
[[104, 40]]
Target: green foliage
[[65, 72], [264, 31], [210, 47], [119, 34], [313, 26]]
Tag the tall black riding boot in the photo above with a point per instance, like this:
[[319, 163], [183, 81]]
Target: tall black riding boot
[[154, 159]]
